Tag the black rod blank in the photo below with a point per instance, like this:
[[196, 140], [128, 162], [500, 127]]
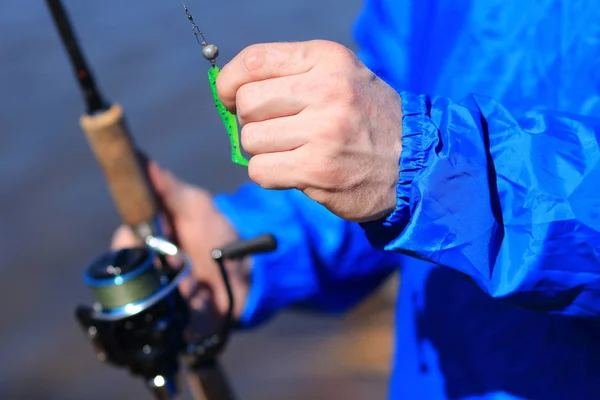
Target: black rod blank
[[94, 101]]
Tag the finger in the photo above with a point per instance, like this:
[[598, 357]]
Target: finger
[[264, 61], [274, 135], [188, 287], [172, 191], [196, 291], [275, 170], [124, 237], [273, 98]]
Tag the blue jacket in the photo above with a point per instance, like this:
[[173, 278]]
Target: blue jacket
[[497, 225]]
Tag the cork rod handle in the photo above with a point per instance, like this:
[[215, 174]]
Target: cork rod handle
[[125, 174]]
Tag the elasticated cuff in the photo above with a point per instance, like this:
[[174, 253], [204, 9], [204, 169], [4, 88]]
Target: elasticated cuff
[[417, 128]]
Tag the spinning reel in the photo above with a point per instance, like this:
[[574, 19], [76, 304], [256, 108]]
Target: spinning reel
[[139, 318]]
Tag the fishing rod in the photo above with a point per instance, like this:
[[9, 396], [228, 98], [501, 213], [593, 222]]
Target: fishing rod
[[139, 318]]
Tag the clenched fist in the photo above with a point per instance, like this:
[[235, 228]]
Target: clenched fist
[[316, 119]]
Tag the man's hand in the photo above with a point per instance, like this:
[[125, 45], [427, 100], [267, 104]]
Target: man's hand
[[199, 228], [316, 119]]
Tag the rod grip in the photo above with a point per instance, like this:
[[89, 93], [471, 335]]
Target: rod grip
[[123, 169]]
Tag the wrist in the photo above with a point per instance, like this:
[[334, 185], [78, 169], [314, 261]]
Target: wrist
[[412, 159]]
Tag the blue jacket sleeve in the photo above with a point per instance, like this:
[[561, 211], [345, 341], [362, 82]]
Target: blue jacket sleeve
[[514, 204], [322, 262]]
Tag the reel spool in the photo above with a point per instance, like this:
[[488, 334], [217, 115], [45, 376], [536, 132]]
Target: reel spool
[[138, 317]]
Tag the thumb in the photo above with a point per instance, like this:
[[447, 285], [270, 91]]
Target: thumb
[[170, 190]]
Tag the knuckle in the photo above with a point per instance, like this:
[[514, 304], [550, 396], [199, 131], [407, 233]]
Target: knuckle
[[326, 171], [253, 57], [243, 102], [249, 137], [300, 52], [287, 54], [258, 173], [337, 126], [339, 88], [341, 53]]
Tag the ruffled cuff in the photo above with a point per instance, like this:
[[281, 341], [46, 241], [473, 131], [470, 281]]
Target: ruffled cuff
[[417, 131]]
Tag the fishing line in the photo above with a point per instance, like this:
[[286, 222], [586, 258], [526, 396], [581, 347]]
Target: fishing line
[[210, 52]]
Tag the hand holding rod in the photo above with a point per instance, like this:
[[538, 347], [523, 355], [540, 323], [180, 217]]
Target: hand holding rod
[[122, 166]]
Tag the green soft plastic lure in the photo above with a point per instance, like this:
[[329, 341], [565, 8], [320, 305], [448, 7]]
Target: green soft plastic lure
[[210, 52], [229, 120]]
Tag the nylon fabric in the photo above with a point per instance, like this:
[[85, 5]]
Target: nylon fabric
[[496, 229]]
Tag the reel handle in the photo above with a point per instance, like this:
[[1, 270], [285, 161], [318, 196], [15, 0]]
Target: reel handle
[[124, 170], [260, 244]]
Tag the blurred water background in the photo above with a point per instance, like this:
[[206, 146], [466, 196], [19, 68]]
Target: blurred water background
[[56, 213]]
